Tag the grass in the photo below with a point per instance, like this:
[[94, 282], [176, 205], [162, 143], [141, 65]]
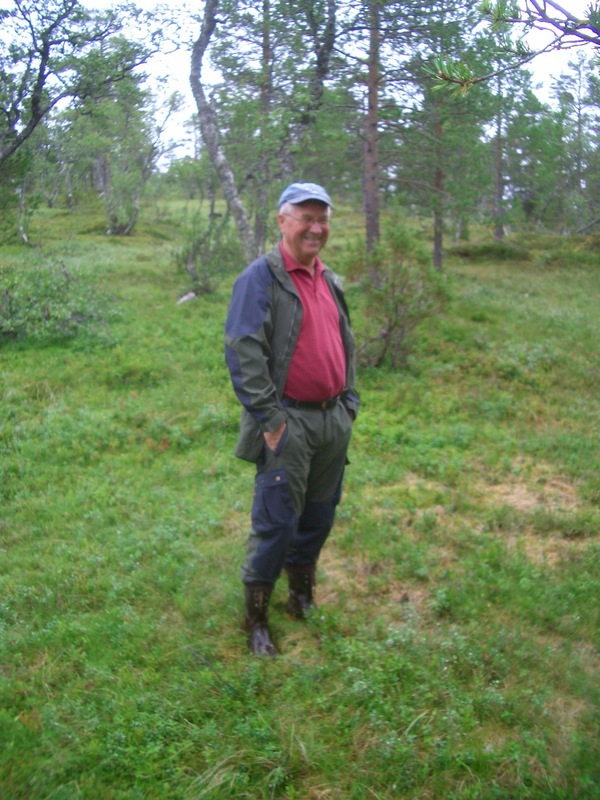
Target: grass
[[456, 650]]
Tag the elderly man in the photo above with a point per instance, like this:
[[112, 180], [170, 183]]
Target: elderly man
[[290, 353]]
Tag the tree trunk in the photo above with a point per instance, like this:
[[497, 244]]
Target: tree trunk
[[22, 216], [439, 177], [322, 47], [210, 134], [498, 195], [266, 90], [371, 186], [499, 169], [69, 189], [438, 221], [589, 225]]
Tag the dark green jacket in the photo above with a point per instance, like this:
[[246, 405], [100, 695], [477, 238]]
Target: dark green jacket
[[261, 330]]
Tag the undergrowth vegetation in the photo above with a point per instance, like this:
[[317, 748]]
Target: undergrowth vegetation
[[455, 654], [42, 299]]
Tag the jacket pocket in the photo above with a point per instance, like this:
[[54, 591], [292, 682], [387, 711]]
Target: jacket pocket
[[251, 443], [282, 440]]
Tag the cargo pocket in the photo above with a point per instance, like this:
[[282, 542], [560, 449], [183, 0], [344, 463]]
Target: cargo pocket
[[272, 507]]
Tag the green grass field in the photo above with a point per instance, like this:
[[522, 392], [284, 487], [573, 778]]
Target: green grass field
[[456, 653]]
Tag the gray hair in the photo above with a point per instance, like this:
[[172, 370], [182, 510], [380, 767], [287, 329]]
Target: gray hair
[[286, 209]]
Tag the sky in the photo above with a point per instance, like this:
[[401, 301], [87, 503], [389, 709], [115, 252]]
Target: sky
[[174, 68]]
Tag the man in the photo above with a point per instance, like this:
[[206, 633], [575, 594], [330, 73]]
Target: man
[[290, 354]]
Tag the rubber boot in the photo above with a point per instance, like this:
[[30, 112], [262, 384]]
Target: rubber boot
[[255, 619], [302, 581]]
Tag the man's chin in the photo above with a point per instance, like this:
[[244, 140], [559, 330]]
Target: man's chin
[[313, 246]]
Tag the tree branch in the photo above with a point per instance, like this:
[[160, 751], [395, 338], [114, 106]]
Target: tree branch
[[567, 30]]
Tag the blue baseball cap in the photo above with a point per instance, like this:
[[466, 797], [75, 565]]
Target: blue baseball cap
[[301, 192]]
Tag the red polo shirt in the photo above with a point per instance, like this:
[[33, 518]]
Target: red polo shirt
[[318, 368]]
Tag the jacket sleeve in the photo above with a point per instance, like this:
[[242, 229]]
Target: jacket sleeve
[[248, 329]]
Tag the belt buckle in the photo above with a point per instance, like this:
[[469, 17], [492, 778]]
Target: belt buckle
[[324, 405]]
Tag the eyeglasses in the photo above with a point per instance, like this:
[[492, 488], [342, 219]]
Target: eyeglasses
[[306, 219]]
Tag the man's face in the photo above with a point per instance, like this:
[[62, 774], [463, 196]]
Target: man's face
[[305, 229]]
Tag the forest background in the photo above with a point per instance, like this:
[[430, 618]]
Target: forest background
[[348, 94], [455, 654]]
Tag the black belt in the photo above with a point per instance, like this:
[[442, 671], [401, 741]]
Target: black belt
[[322, 405]]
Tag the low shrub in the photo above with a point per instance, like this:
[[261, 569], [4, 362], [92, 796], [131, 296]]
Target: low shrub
[[490, 251], [209, 250], [399, 290], [47, 300]]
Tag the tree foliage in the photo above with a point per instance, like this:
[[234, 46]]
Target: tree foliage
[[274, 59], [56, 52]]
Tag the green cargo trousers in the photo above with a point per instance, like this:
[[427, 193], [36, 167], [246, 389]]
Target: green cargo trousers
[[296, 491]]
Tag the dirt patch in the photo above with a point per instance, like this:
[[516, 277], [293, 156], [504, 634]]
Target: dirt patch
[[367, 583], [553, 493], [535, 489]]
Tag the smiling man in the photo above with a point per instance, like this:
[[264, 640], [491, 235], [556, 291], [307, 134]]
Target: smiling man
[[305, 229], [290, 353]]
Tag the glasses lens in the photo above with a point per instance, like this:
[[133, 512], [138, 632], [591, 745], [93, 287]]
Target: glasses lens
[[308, 220]]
